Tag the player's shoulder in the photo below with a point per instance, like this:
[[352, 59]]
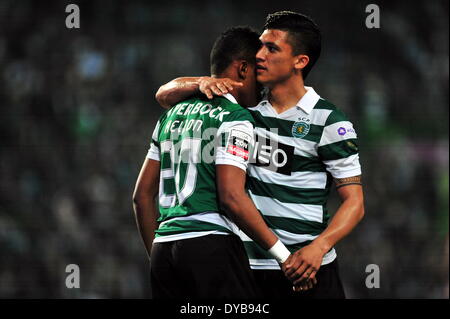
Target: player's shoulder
[[335, 113], [233, 111]]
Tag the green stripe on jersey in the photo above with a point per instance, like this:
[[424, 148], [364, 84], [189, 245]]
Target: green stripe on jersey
[[288, 194], [295, 226], [336, 116], [324, 105], [338, 150], [307, 164], [284, 127]]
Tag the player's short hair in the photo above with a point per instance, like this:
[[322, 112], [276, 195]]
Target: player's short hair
[[236, 43], [303, 34]]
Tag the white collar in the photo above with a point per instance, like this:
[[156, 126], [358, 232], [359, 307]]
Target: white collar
[[306, 103], [309, 100], [230, 98]]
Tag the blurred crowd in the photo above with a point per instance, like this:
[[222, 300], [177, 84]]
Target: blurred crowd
[[78, 110]]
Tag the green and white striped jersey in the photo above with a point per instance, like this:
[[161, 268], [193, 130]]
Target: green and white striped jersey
[[189, 140], [297, 154]]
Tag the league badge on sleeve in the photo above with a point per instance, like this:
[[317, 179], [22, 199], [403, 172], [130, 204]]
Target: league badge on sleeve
[[238, 144]]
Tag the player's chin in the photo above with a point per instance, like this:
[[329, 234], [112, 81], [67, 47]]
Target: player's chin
[[262, 79]]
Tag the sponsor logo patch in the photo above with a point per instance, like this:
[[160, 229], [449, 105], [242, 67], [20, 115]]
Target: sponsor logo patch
[[300, 129], [238, 144], [341, 131]]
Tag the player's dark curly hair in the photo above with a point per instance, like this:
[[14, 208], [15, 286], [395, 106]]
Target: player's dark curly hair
[[303, 34], [236, 43]]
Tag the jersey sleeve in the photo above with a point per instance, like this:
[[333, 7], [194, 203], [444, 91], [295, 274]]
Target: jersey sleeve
[[154, 150], [235, 140], [338, 146]]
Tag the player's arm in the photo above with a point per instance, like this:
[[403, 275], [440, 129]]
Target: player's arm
[[181, 88], [339, 153], [240, 208], [232, 158], [145, 201], [348, 215]]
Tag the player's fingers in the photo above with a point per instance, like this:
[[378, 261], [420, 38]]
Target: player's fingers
[[304, 277], [228, 85], [208, 93], [216, 91], [222, 88], [232, 84], [298, 273], [313, 278], [297, 288], [292, 266], [293, 263], [300, 287], [310, 284]]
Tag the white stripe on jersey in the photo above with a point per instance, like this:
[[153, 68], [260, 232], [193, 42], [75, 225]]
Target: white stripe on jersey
[[289, 238], [209, 217], [296, 179], [344, 167], [153, 153], [194, 234], [330, 133], [278, 209], [319, 116], [156, 131]]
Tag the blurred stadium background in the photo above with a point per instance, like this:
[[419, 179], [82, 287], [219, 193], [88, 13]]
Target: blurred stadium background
[[78, 109]]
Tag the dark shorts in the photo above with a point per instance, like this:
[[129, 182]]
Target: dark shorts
[[274, 285], [207, 267]]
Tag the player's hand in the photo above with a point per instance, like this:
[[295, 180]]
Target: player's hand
[[216, 86], [302, 266], [303, 285]]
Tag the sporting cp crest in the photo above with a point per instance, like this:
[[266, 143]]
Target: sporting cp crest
[[300, 129]]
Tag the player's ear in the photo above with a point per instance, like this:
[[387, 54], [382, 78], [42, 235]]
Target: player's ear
[[301, 61], [243, 69]]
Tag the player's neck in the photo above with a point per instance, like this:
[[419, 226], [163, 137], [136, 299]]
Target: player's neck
[[237, 92], [285, 95]]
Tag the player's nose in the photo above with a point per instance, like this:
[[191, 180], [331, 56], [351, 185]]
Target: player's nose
[[260, 56]]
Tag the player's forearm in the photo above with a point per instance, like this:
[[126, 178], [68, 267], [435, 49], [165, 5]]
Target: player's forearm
[[177, 90], [146, 214], [349, 214], [243, 212]]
